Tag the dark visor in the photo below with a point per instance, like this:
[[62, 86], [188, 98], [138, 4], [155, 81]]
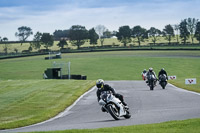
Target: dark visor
[[98, 85]]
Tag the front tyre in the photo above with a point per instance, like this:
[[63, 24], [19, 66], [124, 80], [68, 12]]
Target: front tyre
[[114, 112], [151, 85], [163, 84]]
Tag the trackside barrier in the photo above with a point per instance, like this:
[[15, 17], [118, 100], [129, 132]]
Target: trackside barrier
[[190, 81], [172, 77]]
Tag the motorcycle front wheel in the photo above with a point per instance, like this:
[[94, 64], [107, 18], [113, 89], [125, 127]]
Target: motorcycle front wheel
[[114, 112], [163, 84], [151, 85]]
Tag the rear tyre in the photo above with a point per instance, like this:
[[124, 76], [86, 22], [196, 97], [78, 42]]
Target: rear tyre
[[114, 112], [128, 115]]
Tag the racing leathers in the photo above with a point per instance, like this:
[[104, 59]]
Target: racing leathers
[[151, 73], [162, 72], [109, 88]]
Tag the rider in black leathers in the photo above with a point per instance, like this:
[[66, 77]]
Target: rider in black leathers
[[105, 87], [162, 71]]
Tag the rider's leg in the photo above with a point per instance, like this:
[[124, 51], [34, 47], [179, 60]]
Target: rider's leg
[[121, 99]]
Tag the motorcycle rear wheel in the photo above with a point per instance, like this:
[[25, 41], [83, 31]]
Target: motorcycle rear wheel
[[128, 115]]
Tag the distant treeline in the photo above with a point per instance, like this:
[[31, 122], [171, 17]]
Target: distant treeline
[[77, 35]]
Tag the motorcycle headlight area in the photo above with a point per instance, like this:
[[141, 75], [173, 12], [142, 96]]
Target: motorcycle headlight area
[[101, 102], [109, 97]]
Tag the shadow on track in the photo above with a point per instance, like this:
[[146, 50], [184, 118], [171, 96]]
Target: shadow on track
[[102, 121]]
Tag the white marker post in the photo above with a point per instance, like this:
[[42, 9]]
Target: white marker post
[[190, 81], [68, 70], [49, 55]]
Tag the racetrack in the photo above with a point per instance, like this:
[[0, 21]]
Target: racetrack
[[145, 106]]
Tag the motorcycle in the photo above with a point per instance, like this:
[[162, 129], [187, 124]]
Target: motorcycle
[[163, 80], [144, 76], [152, 81], [113, 105]]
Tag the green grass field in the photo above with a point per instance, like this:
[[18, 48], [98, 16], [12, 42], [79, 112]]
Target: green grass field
[[26, 98], [24, 102]]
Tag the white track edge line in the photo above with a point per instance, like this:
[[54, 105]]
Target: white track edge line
[[181, 89]]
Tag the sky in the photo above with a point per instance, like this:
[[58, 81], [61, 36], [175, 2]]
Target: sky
[[46, 16]]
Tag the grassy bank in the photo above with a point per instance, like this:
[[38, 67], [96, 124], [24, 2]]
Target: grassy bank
[[25, 102]]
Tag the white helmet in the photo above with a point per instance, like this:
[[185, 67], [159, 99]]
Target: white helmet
[[150, 69], [99, 83]]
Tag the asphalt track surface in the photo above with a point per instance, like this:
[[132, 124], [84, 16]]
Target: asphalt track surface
[[145, 106]]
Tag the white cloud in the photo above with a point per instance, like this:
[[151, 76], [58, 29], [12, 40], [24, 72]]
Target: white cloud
[[156, 14]]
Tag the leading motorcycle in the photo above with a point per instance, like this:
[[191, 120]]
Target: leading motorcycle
[[113, 105], [152, 81], [163, 80]]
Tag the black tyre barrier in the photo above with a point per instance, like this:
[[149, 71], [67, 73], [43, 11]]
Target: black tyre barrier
[[78, 77]]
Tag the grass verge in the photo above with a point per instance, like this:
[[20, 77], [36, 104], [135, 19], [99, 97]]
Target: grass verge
[[25, 102], [184, 126]]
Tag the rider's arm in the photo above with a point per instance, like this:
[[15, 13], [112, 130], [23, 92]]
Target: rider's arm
[[155, 75], [166, 73], [98, 95], [147, 73], [158, 74], [111, 89]]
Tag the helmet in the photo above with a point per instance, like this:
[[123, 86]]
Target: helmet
[[99, 83], [150, 69]]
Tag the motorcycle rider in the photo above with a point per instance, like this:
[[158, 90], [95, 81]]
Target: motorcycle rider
[[150, 72], [105, 87], [162, 71]]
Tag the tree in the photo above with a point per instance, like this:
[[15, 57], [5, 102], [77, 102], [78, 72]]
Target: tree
[[23, 33], [124, 35], [100, 29], [154, 33], [107, 34], [191, 25], [168, 33], [60, 34], [197, 32], [176, 28], [184, 33], [5, 39], [78, 34], [16, 50], [62, 43], [93, 36], [47, 40], [114, 33], [36, 44], [5, 48], [139, 33]]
